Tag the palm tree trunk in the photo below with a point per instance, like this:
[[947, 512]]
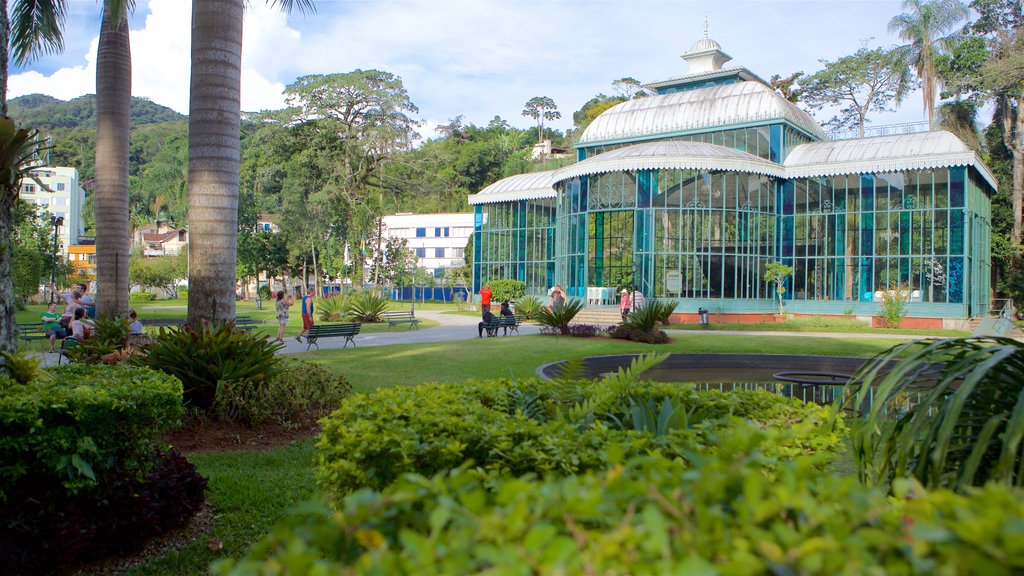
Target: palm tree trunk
[[8, 341], [214, 158], [5, 41], [113, 122]]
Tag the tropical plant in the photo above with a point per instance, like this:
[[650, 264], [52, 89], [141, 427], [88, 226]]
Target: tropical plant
[[645, 318], [205, 356], [108, 343], [894, 305], [965, 430], [559, 318], [673, 415], [528, 306], [214, 162], [664, 309], [922, 25], [367, 306], [777, 273], [20, 367], [333, 308]]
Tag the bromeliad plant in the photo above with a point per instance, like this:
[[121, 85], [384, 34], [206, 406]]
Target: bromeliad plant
[[966, 430], [366, 306], [205, 357], [558, 319], [333, 309], [107, 345], [528, 306]]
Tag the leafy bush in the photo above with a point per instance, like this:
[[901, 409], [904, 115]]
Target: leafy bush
[[718, 514], [19, 367], [625, 332], [894, 306], [559, 318], [109, 343], [297, 388], [966, 431], [528, 306], [663, 309], [503, 290], [68, 430], [583, 330], [263, 292], [367, 306], [47, 531], [204, 357], [535, 427], [333, 309], [141, 297], [182, 294]]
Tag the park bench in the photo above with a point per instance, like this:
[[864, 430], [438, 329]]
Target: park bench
[[246, 323], [509, 323], [30, 331], [347, 329], [69, 344], [396, 318]]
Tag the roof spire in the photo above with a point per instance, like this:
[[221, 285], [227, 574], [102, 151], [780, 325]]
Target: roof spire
[[705, 24]]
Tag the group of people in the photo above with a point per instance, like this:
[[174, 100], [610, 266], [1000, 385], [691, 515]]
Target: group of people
[[631, 301], [283, 305], [74, 322], [485, 307]]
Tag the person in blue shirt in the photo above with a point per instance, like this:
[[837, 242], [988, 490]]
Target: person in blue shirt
[[307, 314]]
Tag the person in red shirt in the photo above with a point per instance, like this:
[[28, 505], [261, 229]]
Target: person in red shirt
[[485, 299]]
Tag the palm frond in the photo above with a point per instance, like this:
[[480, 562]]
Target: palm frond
[[37, 29]]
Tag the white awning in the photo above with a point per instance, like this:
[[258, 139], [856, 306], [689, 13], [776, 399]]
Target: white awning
[[884, 154], [529, 186], [670, 154]]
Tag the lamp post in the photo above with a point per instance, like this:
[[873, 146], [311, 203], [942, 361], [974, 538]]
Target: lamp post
[[56, 222]]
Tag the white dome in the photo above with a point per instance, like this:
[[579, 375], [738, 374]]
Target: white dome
[[705, 44], [700, 109]]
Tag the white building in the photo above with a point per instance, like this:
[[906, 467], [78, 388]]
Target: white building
[[57, 190], [437, 240]]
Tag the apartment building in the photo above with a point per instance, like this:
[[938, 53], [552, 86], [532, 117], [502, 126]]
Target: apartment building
[[57, 190], [437, 240]]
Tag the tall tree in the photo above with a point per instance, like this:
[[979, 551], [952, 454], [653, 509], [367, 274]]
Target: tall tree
[[925, 26], [865, 82], [36, 30], [541, 108], [113, 124], [214, 156]]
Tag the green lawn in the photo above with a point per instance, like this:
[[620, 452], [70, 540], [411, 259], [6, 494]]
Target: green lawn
[[519, 356]]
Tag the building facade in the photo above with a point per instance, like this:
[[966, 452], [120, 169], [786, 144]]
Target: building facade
[[437, 240], [82, 258], [57, 190], [688, 194]]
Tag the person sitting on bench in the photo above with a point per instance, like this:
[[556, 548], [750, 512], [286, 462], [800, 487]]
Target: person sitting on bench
[[506, 312], [481, 326]]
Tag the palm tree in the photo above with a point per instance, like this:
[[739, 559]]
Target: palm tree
[[113, 125], [214, 155], [37, 30], [922, 25]]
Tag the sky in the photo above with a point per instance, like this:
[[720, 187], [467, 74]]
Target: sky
[[475, 58]]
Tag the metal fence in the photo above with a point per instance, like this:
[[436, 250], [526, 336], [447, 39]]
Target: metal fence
[[823, 394]]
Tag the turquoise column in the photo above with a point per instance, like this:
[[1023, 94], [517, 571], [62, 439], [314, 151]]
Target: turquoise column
[[867, 236], [478, 223], [520, 247]]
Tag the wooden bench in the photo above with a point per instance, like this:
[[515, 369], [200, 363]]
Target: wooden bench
[[509, 323], [30, 331], [68, 345], [246, 323], [396, 318], [346, 329]]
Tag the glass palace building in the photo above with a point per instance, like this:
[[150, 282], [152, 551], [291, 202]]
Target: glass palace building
[[689, 193]]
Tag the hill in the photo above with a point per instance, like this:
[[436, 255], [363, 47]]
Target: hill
[[47, 113]]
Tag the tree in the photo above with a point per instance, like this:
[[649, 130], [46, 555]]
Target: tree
[[629, 88], [541, 108], [777, 273], [214, 155], [867, 81], [788, 86], [923, 25], [163, 272], [591, 110], [113, 124]]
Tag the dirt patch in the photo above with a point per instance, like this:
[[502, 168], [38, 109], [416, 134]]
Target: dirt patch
[[203, 435]]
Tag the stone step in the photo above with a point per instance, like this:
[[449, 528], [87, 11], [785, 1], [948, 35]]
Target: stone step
[[598, 316]]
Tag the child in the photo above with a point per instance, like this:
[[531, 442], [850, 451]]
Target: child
[[135, 328], [81, 329]]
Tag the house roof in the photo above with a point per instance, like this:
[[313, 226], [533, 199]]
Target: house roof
[[529, 186]]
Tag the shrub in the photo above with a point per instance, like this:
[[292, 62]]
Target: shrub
[[296, 389], [528, 306], [663, 309], [534, 427], [503, 290], [894, 306], [68, 430], [263, 292], [47, 531], [367, 306], [966, 431], [625, 332], [644, 319], [109, 343], [182, 293], [583, 330], [141, 297], [559, 318], [333, 309], [204, 357], [719, 514]]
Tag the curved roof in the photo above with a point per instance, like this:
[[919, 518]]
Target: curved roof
[[705, 44], [702, 108], [670, 154], [918, 151], [519, 187]]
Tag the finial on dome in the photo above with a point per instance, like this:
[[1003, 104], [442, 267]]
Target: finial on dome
[[705, 24]]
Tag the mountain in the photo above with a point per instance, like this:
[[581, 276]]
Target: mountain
[[47, 113]]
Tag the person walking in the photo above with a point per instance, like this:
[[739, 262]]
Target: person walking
[[624, 304], [307, 314], [485, 299], [282, 306], [638, 299]]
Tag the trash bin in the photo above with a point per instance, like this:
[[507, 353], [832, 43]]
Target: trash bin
[[703, 312]]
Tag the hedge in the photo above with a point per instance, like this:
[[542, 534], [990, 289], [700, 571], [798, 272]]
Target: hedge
[[539, 427], [723, 513], [70, 429]]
